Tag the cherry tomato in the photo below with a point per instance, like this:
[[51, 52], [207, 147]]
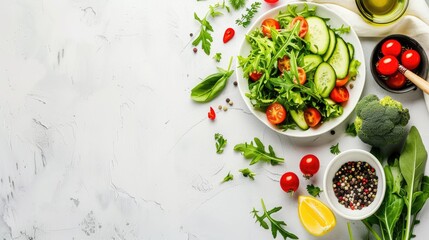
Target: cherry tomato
[[229, 33], [309, 165], [284, 64], [276, 113], [255, 75], [396, 81], [271, 1], [301, 76], [289, 182], [387, 65], [268, 24], [211, 114], [312, 116], [342, 82], [339, 94], [303, 29], [410, 59], [391, 47]]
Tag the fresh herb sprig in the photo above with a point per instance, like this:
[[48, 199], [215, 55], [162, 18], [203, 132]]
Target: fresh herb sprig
[[314, 190], [335, 149], [212, 85], [248, 173], [228, 177], [246, 18], [217, 57], [237, 4], [276, 225], [342, 30], [257, 152], [220, 142]]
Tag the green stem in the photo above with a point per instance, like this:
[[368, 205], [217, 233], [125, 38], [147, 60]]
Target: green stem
[[349, 228], [376, 236], [408, 222]]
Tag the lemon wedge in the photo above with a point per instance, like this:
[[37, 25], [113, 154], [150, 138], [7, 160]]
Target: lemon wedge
[[315, 216]]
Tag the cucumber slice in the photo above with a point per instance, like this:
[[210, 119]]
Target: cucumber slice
[[311, 61], [298, 118], [351, 50], [332, 42], [324, 79], [317, 35], [340, 59]]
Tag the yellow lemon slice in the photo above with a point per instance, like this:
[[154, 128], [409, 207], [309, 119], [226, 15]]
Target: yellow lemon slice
[[315, 216]]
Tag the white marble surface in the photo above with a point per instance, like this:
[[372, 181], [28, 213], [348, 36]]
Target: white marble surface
[[99, 138]]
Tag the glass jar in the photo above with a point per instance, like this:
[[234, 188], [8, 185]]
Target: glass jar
[[382, 11]]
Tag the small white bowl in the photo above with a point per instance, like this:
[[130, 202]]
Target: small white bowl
[[353, 155]]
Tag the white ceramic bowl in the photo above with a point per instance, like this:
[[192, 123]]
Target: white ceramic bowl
[[342, 158], [355, 93]]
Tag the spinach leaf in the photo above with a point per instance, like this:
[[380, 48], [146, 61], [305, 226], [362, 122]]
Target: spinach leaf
[[412, 163], [212, 85], [420, 200]]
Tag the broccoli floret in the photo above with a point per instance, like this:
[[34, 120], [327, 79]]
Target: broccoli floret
[[381, 122]]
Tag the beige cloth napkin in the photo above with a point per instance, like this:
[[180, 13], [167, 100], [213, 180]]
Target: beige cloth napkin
[[414, 23]]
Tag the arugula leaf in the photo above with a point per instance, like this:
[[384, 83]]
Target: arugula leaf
[[257, 153], [214, 10], [341, 30], [217, 57], [351, 129], [314, 190], [237, 4], [204, 36], [246, 18], [220, 142], [412, 163], [335, 149], [248, 173], [276, 225], [228, 177], [212, 85]]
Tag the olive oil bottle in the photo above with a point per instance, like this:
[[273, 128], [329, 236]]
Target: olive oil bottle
[[382, 11]]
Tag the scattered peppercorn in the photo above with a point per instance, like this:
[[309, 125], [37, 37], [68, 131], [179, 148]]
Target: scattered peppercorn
[[231, 103], [227, 100], [332, 132], [219, 107], [355, 185], [195, 50], [225, 108], [235, 83], [191, 34]]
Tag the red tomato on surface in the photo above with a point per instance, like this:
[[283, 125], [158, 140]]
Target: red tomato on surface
[[303, 29], [289, 182], [268, 24], [284, 63], [312, 116], [391, 47], [276, 113], [396, 81], [342, 82], [309, 165], [211, 114], [410, 59], [229, 33], [271, 1], [255, 75], [387, 65], [302, 76], [339, 94]]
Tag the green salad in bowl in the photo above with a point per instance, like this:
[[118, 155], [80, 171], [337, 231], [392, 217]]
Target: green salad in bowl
[[299, 69]]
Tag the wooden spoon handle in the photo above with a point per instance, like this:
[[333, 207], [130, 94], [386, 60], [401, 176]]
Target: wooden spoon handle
[[416, 79]]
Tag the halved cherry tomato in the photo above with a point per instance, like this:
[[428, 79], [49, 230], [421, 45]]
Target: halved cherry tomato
[[339, 94], [255, 75], [303, 29], [410, 59], [301, 76], [229, 33], [284, 64], [391, 47], [276, 113], [387, 65], [211, 114], [342, 82], [268, 24], [396, 81], [312, 116], [271, 1]]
